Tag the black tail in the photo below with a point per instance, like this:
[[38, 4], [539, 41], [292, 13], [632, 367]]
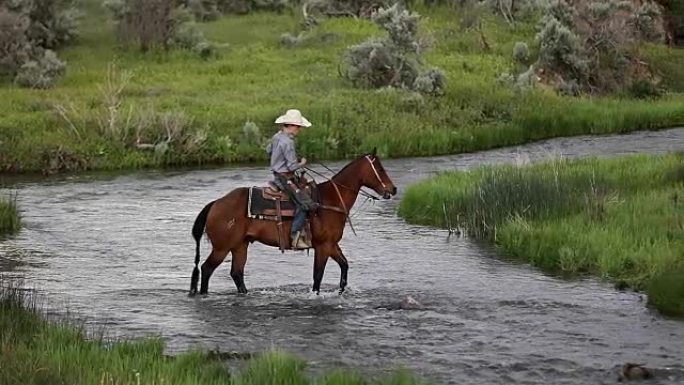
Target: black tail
[[197, 231]]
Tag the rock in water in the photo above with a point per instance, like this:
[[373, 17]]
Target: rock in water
[[630, 371], [410, 303]]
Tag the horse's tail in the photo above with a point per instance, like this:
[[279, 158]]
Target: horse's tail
[[197, 231]]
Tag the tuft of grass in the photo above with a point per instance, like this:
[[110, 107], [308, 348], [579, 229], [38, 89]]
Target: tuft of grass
[[10, 220], [621, 219], [666, 293], [254, 78], [34, 351]]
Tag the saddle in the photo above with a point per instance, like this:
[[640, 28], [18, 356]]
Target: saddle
[[268, 203]]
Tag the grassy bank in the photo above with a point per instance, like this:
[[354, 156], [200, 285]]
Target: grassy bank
[[9, 215], [621, 219], [254, 78], [34, 351]]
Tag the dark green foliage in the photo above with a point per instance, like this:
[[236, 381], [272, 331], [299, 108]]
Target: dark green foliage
[[10, 220], [666, 293]]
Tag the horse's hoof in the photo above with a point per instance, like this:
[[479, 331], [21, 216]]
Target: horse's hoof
[[341, 291]]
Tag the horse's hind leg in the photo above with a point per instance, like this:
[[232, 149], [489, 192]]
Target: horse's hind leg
[[237, 269], [215, 258], [341, 260]]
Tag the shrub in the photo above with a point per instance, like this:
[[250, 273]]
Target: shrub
[[560, 49], [431, 82], [41, 72], [395, 60], [203, 10], [251, 133], [336, 8], [520, 52], [245, 6], [15, 47], [592, 44], [28, 30], [156, 23], [647, 21], [148, 23], [644, 89], [52, 23]]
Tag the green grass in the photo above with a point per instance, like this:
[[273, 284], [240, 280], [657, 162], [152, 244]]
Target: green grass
[[254, 78], [34, 351], [621, 219], [10, 220]]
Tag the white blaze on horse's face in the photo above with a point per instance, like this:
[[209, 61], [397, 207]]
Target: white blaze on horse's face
[[381, 182]]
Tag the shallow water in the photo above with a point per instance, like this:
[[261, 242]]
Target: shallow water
[[118, 250]]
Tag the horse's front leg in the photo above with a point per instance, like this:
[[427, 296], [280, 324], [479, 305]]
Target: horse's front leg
[[320, 259], [341, 260]]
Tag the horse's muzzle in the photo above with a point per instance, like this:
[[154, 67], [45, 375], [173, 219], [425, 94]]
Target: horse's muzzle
[[389, 193]]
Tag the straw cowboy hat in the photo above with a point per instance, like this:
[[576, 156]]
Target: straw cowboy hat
[[293, 117]]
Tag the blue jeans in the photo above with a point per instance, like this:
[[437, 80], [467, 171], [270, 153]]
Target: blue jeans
[[302, 202], [298, 221]]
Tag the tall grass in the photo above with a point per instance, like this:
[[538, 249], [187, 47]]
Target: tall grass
[[254, 78], [34, 351], [10, 220], [621, 219]]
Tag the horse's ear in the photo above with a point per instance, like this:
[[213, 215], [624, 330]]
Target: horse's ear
[[375, 150]]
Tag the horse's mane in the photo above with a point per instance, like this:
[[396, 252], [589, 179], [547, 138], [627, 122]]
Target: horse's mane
[[351, 163]]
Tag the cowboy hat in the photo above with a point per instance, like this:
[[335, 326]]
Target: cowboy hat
[[293, 117]]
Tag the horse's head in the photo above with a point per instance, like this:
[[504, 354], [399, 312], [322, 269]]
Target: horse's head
[[373, 176]]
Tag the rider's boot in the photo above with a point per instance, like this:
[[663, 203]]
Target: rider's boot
[[299, 242]]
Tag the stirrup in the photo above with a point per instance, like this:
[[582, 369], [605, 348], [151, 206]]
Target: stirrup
[[300, 243]]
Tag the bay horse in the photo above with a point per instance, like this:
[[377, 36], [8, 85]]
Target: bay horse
[[230, 230]]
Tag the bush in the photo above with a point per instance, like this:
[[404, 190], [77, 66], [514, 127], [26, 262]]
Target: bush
[[28, 30], [42, 72], [592, 44], [394, 61], [15, 47], [520, 52], [156, 23], [647, 21], [644, 89], [241, 7], [203, 10], [336, 8], [52, 23], [147, 23], [560, 49]]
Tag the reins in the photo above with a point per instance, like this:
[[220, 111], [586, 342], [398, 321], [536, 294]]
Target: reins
[[339, 195], [363, 193]]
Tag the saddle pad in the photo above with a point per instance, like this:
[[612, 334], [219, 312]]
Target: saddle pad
[[259, 207]]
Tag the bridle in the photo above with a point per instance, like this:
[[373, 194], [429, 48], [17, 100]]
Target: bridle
[[336, 185], [375, 170]]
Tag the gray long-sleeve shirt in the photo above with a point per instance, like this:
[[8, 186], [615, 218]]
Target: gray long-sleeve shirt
[[282, 152]]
